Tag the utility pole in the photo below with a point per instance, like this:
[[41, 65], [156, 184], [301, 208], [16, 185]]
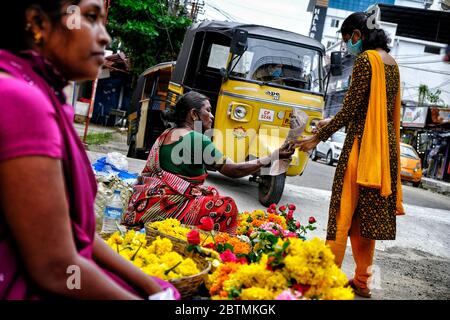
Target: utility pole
[[193, 8]]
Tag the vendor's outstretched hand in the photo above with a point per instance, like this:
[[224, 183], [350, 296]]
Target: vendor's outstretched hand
[[285, 151]]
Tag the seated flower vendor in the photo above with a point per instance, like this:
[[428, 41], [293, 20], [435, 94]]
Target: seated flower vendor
[[171, 184]]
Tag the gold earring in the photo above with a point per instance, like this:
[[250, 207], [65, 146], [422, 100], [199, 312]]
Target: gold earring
[[38, 38]]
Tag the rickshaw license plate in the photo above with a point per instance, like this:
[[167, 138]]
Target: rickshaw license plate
[[266, 115]]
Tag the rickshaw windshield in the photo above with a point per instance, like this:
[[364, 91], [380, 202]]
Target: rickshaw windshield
[[281, 64]]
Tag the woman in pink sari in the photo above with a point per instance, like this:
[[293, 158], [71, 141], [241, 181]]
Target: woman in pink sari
[[48, 244], [172, 180]]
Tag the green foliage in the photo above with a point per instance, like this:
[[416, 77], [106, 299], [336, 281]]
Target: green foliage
[[223, 247], [425, 94], [98, 138], [148, 31]]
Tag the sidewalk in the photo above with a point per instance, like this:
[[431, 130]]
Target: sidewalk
[[436, 185]]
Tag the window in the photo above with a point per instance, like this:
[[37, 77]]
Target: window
[[408, 152], [432, 49], [329, 44], [334, 23], [282, 64]]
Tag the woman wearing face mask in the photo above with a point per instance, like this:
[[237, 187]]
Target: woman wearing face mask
[[172, 180], [366, 194], [48, 245]]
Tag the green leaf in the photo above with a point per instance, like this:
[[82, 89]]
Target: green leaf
[[228, 246], [168, 270]]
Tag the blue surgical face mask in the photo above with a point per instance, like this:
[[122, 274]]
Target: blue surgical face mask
[[354, 49], [276, 73]]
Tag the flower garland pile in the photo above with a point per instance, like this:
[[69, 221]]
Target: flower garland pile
[[208, 239], [155, 259], [296, 269]]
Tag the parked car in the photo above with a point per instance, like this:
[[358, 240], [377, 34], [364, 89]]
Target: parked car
[[411, 169], [331, 149]]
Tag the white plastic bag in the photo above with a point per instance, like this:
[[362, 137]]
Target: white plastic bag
[[167, 294], [118, 160]]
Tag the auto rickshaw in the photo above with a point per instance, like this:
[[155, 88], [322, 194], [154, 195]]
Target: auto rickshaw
[[255, 76]]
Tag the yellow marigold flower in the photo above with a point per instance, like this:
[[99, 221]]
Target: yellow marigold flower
[[155, 270], [115, 239], [129, 236], [160, 246], [151, 259], [258, 214], [171, 258], [139, 262], [187, 268], [276, 281], [126, 253], [256, 293]]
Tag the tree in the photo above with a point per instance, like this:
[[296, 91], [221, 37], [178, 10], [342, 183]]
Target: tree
[[148, 31]]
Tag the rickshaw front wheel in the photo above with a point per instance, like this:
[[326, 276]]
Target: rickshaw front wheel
[[271, 189]]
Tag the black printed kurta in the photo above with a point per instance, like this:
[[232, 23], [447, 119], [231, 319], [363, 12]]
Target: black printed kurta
[[377, 214]]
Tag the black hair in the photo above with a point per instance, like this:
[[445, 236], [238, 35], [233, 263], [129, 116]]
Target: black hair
[[14, 36], [187, 102], [373, 38]]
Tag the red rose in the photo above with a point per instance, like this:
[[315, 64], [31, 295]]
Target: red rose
[[297, 224], [291, 206], [242, 260], [302, 288], [206, 224], [193, 237], [209, 245], [290, 215], [270, 211], [312, 220], [273, 206], [282, 208]]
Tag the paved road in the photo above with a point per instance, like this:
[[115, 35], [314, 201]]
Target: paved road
[[318, 175]]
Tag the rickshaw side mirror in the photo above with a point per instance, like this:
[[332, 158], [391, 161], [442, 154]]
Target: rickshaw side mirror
[[336, 63], [239, 42]]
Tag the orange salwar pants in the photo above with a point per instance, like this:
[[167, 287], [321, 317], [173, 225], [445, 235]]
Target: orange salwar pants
[[348, 224]]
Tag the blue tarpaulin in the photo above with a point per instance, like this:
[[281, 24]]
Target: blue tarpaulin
[[101, 165]]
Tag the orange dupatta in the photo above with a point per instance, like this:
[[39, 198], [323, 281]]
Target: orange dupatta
[[373, 161]]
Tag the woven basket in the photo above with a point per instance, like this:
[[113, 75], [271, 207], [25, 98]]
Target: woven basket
[[178, 244], [187, 286]]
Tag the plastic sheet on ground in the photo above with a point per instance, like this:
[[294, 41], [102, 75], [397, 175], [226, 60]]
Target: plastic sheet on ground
[[105, 170]]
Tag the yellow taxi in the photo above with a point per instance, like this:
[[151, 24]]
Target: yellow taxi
[[411, 169]]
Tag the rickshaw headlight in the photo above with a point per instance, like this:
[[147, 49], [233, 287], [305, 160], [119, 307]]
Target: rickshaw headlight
[[240, 112], [312, 125]]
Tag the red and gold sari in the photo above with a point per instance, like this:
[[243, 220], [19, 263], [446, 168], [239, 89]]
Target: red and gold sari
[[162, 195]]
